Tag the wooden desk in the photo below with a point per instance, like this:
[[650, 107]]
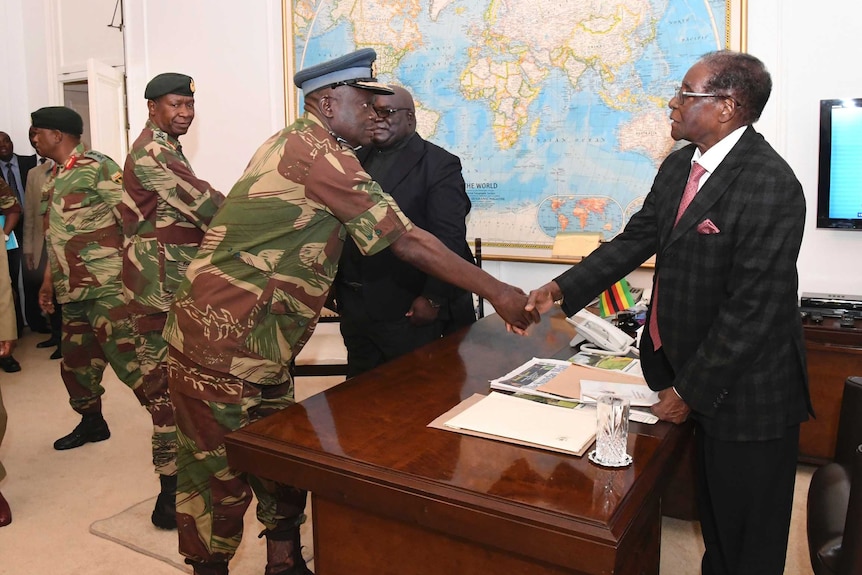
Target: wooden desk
[[391, 495], [834, 353]]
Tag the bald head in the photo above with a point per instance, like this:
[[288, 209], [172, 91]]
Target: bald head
[[396, 118]]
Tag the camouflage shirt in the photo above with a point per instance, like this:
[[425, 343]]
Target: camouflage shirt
[[253, 294], [166, 209], [9, 203], [84, 235]]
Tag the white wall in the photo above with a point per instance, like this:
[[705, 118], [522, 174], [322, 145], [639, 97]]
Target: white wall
[[810, 49], [234, 52]]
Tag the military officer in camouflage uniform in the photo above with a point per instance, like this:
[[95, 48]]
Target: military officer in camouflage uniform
[[253, 295], [166, 209], [10, 208], [84, 243]]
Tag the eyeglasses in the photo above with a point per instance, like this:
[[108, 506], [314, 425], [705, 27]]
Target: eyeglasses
[[386, 112], [681, 95]]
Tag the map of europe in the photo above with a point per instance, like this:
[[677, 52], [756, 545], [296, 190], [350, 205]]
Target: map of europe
[[557, 108]]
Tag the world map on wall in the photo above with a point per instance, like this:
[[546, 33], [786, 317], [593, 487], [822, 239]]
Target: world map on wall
[[557, 108]]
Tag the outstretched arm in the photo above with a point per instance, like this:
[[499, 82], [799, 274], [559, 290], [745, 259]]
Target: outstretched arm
[[427, 253]]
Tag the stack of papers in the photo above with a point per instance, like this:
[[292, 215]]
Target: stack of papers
[[509, 418], [555, 419], [529, 376]]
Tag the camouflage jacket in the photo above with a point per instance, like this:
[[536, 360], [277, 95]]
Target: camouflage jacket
[[84, 236], [9, 203], [166, 209], [253, 294]]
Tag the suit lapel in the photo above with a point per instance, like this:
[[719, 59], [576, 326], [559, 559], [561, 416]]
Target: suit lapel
[[410, 156], [715, 187]]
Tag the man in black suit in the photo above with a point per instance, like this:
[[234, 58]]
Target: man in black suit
[[387, 306], [723, 341], [14, 169]]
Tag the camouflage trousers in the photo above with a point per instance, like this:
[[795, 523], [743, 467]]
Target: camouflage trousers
[[98, 332], [211, 497]]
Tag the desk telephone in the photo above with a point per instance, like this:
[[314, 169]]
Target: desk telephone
[[603, 337]]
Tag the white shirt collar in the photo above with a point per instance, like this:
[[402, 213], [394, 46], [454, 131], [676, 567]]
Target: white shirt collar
[[716, 154]]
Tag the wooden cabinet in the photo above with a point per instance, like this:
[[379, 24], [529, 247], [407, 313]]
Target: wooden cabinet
[[834, 353]]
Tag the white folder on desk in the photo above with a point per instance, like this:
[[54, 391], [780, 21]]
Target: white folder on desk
[[507, 417]]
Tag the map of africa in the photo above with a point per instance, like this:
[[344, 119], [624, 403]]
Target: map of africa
[[557, 108]]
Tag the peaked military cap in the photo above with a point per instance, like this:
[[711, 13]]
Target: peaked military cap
[[354, 69], [60, 118], [169, 83]]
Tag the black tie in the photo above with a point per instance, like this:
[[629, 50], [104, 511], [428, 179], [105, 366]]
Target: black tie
[[13, 183]]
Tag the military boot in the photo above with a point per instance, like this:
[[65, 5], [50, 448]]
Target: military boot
[[165, 513], [215, 568], [92, 428], [284, 554]]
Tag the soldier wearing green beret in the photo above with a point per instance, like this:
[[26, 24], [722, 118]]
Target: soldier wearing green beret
[[166, 209], [252, 297], [84, 242]]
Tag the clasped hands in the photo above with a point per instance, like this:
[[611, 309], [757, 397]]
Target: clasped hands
[[533, 306]]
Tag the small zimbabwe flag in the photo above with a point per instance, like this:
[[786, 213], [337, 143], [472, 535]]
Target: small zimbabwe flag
[[616, 298]]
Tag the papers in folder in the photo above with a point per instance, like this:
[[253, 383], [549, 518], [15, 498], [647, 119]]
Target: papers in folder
[[586, 383], [526, 422]]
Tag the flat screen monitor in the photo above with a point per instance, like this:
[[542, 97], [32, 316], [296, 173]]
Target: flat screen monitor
[[839, 190]]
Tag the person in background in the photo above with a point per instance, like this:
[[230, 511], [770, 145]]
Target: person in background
[[35, 254], [8, 335], [723, 343], [387, 306], [10, 209], [253, 295], [14, 170], [85, 241], [165, 211]]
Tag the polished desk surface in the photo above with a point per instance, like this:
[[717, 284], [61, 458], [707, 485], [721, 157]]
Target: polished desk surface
[[365, 443]]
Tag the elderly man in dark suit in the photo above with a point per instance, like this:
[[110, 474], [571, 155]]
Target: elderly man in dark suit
[[389, 307], [723, 341]]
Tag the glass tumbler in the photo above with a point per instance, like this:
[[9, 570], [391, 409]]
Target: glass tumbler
[[612, 431]]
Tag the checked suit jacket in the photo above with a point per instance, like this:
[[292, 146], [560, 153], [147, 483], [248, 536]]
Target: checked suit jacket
[[728, 314], [427, 185]]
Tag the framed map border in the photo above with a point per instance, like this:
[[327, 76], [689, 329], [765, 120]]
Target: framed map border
[[736, 38]]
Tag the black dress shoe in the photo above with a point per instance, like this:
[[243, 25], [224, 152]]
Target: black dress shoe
[[51, 342], [9, 364], [92, 428], [57, 353]]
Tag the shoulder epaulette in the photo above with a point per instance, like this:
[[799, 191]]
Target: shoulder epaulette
[[94, 155], [162, 138]]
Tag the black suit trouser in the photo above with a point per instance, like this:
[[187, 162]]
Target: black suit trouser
[[745, 499], [371, 342]]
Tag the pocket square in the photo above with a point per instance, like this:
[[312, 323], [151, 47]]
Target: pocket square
[[707, 227]]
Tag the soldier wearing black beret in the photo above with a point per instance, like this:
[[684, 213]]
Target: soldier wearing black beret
[[166, 209], [169, 83], [59, 118]]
